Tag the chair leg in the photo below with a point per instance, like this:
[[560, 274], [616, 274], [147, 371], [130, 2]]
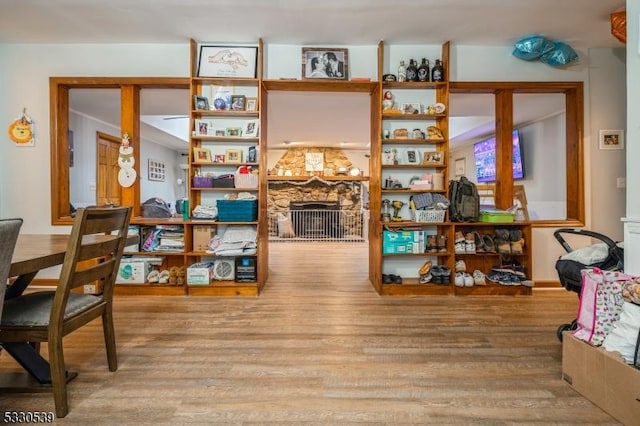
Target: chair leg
[[110, 339], [58, 376]]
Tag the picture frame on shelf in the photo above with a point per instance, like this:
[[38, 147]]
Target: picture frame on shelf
[[252, 156], [251, 129], [202, 127], [228, 61], [388, 157], [411, 108], [233, 156], [221, 96], [238, 102], [218, 158], [611, 139], [412, 156], [432, 158], [233, 131], [200, 103], [252, 104], [325, 63], [201, 155], [219, 132], [314, 162]]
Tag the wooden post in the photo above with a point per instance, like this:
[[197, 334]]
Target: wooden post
[[130, 123], [504, 149]]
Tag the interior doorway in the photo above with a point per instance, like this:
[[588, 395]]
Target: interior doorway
[[108, 191]]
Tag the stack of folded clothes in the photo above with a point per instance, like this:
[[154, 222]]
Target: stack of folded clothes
[[236, 241]]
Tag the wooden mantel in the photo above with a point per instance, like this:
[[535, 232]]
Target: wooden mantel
[[319, 178]]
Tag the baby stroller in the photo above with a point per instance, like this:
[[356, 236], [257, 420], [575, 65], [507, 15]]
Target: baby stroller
[[606, 255]]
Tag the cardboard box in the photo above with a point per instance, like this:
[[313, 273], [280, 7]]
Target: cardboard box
[[602, 377], [201, 236], [200, 273], [133, 271]]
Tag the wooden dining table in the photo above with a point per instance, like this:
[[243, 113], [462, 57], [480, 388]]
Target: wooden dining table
[[32, 254]]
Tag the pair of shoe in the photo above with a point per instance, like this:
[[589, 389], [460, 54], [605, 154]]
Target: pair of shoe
[[507, 278], [425, 272], [460, 266], [436, 243], [391, 279], [483, 243], [509, 241], [479, 278], [159, 277], [441, 274], [463, 280]]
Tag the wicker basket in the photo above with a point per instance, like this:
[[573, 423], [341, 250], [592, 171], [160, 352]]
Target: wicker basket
[[246, 180], [435, 216]]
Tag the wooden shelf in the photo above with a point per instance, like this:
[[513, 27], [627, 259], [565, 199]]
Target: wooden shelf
[[225, 189], [413, 141], [414, 166], [414, 84], [224, 81], [393, 116], [226, 139], [149, 289], [326, 178], [224, 288], [410, 191], [212, 164], [228, 114], [320, 86], [410, 286]]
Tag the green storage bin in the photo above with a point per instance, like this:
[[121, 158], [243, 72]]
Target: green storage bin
[[496, 216]]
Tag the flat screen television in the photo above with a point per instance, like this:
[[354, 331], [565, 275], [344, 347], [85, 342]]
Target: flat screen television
[[484, 153]]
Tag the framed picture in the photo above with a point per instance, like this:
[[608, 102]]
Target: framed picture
[[238, 102], [202, 128], [460, 167], [201, 155], [411, 108], [313, 162], [228, 61], [200, 102], [219, 132], [233, 156], [233, 131], [325, 63], [412, 156], [252, 157], [156, 170], [250, 129], [252, 104], [611, 139], [218, 158]]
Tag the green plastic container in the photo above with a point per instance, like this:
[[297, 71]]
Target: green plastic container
[[496, 216]]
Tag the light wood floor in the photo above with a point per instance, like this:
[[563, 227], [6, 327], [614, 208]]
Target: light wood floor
[[319, 346]]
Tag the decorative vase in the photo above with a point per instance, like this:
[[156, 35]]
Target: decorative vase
[[423, 70], [412, 71]]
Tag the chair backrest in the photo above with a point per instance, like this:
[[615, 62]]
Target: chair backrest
[[9, 229], [95, 247]]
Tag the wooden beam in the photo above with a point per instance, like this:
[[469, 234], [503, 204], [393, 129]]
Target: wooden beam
[[504, 149], [130, 123]]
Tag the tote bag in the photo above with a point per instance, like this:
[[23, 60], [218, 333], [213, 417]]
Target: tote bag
[[600, 304]]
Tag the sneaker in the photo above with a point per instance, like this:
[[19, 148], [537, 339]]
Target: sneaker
[[459, 280], [461, 266], [468, 280], [459, 237], [425, 272], [470, 244], [460, 247], [432, 244], [442, 243], [488, 244], [478, 278], [436, 274], [446, 274]]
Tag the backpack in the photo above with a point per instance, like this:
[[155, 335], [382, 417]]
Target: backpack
[[157, 208], [464, 201]]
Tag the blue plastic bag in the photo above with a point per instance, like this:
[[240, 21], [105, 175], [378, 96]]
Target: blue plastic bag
[[532, 47]]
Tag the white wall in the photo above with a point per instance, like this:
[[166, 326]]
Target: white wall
[[25, 70]]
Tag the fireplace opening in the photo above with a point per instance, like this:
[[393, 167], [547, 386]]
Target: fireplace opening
[[316, 219]]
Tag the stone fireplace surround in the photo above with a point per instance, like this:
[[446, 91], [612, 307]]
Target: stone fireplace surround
[[282, 192]]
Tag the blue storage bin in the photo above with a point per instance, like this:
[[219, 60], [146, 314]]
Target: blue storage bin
[[237, 210]]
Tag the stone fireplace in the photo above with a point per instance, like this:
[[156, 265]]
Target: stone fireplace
[[320, 206]]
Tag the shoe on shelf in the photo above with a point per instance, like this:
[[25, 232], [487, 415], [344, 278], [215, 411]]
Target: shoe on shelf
[[459, 237], [432, 243], [163, 277], [425, 272], [461, 266], [396, 279], [467, 279], [478, 241], [479, 278], [446, 274], [153, 277], [469, 243], [503, 241], [436, 274], [517, 242], [441, 243], [459, 280], [386, 279], [460, 247], [489, 246]]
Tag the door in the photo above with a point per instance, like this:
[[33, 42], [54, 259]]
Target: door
[[107, 187]]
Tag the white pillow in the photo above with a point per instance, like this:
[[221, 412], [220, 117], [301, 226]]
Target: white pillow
[[589, 255], [236, 234], [624, 335]]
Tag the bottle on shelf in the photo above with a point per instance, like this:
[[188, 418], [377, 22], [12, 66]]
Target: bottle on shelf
[[402, 72], [437, 73], [412, 71], [423, 70]]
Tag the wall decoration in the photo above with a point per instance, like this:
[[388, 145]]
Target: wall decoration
[[233, 156], [228, 61], [201, 155], [460, 167], [325, 63], [156, 170], [21, 130], [127, 174], [313, 162], [611, 139], [252, 104], [251, 128]]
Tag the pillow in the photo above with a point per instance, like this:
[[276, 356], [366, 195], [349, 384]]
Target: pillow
[[589, 255], [624, 334], [236, 234]]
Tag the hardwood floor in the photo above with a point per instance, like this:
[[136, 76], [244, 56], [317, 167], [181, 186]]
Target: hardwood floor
[[319, 346]]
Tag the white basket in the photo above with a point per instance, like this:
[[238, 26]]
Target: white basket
[[428, 215], [245, 180]]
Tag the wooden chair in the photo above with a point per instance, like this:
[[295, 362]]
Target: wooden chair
[[9, 230], [93, 256]]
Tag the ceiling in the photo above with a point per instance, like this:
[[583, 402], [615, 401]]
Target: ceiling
[[581, 23]]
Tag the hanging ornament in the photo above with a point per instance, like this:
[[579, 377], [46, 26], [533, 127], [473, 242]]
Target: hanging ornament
[[21, 130], [127, 174]]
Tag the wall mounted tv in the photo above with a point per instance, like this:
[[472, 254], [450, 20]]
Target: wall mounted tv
[[484, 153]]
